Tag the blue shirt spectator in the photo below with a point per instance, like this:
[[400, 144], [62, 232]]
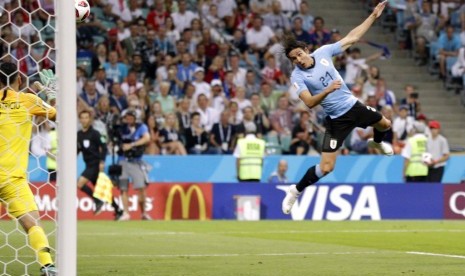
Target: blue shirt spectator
[[279, 176], [116, 71]]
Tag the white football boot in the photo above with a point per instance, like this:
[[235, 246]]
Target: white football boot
[[291, 196], [385, 148]]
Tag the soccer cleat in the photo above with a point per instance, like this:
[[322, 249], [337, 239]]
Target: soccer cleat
[[98, 206], [146, 216], [48, 270], [124, 217], [385, 148], [291, 196]]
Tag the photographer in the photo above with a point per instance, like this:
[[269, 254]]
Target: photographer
[[133, 137]]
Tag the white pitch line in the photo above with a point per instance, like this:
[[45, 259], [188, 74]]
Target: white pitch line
[[224, 255], [155, 233], [436, 254]]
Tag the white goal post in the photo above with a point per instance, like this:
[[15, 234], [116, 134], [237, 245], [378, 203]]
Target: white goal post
[[66, 254]]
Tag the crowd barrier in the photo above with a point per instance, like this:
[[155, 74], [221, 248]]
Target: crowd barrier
[[205, 201], [217, 168]]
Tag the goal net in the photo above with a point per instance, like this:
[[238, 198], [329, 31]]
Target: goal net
[[29, 34]]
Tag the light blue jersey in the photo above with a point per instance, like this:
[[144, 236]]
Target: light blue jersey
[[320, 76]]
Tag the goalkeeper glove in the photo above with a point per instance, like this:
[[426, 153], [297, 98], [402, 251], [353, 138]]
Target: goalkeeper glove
[[48, 84]]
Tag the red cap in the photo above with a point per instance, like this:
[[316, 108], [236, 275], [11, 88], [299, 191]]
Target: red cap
[[113, 32], [421, 116], [434, 124]]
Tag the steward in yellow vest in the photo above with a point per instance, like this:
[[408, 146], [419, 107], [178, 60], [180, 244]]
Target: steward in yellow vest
[[415, 170], [249, 152]]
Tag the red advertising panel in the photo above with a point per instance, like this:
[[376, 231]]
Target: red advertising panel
[[454, 201], [164, 201]]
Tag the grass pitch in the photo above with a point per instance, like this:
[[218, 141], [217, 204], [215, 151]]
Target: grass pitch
[[257, 248]]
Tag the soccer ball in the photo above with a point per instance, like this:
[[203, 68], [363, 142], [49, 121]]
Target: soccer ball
[[427, 158], [82, 10]]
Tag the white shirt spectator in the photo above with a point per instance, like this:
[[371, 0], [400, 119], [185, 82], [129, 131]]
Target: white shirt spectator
[[239, 77], [218, 103], [290, 5], [401, 125], [129, 90], [260, 38], [124, 34], [183, 21], [208, 117], [121, 9], [201, 88], [243, 103], [458, 69], [354, 68], [225, 7], [25, 31]]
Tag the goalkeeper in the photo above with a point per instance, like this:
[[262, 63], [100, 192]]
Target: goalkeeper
[[16, 111]]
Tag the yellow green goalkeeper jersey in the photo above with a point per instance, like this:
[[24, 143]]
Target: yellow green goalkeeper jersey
[[16, 117]]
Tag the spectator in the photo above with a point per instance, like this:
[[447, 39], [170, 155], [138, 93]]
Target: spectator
[[236, 114], [162, 42], [302, 135], [156, 17], [211, 19], [201, 86], [271, 72], [144, 102], [259, 36], [116, 71], [240, 99], [191, 43], [135, 137], [123, 32], [279, 176], [169, 137], [389, 137], [281, 123], [251, 84], [260, 6], [102, 85], [402, 126], [372, 76], [299, 32], [261, 119], [196, 136], [197, 32], [411, 100], [200, 57], [90, 94], [449, 45], [168, 102], [162, 70], [131, 86], [182, 19], [229, 87], [268, 98], [319, 35], [276, 19], [113, 44], [355, 64], [172, 32], [175, 83], [248, 122], [439, 149], [215, 70], [144, 71], [359, 140], [100, 58], [186, 69], [222, 135], [208, 115], [24, 30], [211, 48], [218, 98], [156, 111], [414, 169], [304, 14], [239, 73], [121, 9], [239, 42], [426, 25], [183, 115], [384, 96], [249, 153], [118, 101]]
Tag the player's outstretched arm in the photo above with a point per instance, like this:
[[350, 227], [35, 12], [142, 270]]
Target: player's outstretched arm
[[312, 101], [357, 33]]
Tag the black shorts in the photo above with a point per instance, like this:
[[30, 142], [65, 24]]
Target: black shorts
[[338, 129], [91, 173]]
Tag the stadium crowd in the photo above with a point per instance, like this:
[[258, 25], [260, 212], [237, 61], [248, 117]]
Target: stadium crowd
[[202, 73]]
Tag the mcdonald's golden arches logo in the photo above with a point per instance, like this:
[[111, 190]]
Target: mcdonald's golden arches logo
[[186, 196]]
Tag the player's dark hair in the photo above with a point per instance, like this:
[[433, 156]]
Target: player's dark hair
[[8, 73], [290, 43]]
